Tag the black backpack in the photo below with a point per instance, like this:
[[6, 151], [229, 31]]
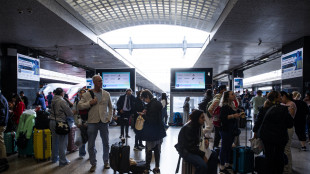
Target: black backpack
[[84, 113], [42, 120], [202, 106]]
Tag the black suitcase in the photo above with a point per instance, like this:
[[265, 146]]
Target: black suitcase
[[42, 120], [119, 157]]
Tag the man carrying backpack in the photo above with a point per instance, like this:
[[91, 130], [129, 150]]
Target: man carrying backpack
[[213, 110]]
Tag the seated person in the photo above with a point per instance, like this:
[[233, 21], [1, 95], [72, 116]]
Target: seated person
[[188, 145]]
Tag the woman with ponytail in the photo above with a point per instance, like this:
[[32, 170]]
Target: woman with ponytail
[[271, 126]]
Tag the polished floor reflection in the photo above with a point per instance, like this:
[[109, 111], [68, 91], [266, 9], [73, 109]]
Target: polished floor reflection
[[168, 163]]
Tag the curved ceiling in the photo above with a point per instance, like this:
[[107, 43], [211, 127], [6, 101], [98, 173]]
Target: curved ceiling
[[106, 15]]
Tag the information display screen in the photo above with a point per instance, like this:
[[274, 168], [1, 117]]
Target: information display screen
[[115, 80], [28, 68], [190, 80]]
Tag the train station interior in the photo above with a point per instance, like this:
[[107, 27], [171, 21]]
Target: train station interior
[[70, 41]]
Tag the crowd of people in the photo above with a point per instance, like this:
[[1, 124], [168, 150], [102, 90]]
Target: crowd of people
[[277, 116]]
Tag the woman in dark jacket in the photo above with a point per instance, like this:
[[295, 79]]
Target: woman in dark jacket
[[271, 126], [188, 145], [139, 107], [153, 130], [229, 128]]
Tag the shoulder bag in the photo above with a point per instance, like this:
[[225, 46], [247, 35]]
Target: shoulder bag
[[61, 128], [139, 123]]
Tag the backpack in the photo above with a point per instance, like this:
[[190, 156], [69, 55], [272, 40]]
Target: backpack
[[208, 105], [84, 113], [203, 106], [177, 119], [42, 120]]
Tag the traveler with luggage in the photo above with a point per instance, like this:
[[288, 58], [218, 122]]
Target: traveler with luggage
[[153, 130], [99, 117], [164, 102], [271, 126], [60, 111], [189, 140], [228, 129]]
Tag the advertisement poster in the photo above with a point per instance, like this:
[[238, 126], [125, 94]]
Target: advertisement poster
[[291, 64], [28, 68], [238, 84], [190, 80], [116, 80]]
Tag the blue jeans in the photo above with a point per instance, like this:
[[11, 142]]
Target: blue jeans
[[82, 150], [196, 160], [92, 131], [59, 145], [227, 141]]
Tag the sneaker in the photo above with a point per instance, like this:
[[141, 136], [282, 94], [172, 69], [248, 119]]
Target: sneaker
[[92, 168], [121, 136], [141, 146], [136, 148], [156, 171], [106, 165], [127, 136], [303, 148]]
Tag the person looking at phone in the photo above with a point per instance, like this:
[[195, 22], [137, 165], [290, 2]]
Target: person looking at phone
[[153, 130]]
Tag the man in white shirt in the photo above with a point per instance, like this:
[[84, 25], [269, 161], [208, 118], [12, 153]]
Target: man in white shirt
[[257, 102], [99, 117]]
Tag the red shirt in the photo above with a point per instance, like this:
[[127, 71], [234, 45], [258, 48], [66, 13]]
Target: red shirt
[[18, 110]]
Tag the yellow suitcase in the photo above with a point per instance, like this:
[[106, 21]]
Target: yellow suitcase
[[42, 144]]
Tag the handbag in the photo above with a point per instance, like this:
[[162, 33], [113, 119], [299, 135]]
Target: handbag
[[61, 128], [257, 145], [139, 123]]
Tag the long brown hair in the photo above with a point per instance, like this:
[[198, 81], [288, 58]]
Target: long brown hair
[[271, 99]]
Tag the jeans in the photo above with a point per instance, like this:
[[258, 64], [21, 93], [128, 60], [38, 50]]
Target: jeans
[[2, 145], [82, 150], [217, 136], [92, 131], [227, 141], [59, 145], [248, 112], [196, 160], [148, 155]]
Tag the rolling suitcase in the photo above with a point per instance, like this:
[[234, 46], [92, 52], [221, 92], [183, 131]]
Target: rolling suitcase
[[187, 168], [10, 142], [119, 157], [243, 158], [71, 145], [28, 151], [42, 144]]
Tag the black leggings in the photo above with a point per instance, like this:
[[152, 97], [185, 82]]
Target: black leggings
[[300, 129], [148, 155]]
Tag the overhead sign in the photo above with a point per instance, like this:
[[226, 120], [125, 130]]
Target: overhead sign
[[28, 68], [291, 64]]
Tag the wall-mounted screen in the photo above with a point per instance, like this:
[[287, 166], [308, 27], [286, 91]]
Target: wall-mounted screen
[[291, 64], [116, 80], [28, 68], [191, 79]]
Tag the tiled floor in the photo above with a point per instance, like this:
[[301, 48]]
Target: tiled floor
[[168, 163]]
